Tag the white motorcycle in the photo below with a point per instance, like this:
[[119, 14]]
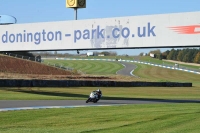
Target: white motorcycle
[[94, 97]]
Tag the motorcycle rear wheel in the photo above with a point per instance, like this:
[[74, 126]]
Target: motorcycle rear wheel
[[95, 101]]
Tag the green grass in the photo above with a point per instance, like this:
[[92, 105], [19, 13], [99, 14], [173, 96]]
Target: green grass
[[153, 118], [141, 58], [103, 57], [162, 62], [162, 74], [154, 60], [90, 67], [144, 71], [147, 118], [109, 93]]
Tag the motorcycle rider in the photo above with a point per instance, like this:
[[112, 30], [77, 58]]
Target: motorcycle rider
[[99, 93], [94, 96]]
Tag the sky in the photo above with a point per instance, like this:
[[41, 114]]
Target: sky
[[33, 11]]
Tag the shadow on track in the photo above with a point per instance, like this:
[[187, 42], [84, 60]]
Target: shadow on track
[[59, 94]]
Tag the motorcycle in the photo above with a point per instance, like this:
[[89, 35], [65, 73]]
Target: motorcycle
[[93, 97]]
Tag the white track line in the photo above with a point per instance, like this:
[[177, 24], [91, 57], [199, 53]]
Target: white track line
[[55, 107]]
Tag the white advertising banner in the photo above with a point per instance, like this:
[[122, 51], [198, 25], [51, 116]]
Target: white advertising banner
[[163, 30]]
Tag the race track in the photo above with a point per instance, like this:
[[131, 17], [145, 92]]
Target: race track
[[127, 70], [6, 105], [32, 103]]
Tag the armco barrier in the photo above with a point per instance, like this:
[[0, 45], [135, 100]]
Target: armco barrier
[[81, 83]]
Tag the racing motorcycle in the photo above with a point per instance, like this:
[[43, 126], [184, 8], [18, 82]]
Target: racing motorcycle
[[94, 97]]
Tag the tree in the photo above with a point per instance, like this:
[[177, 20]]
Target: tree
[[186, 58], [113, 53], [164, 55], [167, 52], [180, 56], [185, 55], [109, 53], [175, 54], [141, 54], [197, 58], [171, 54], [156, 52], [105, 53], [159, 56], [194, 53]]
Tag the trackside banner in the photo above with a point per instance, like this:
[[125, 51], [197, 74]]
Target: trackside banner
[[163, 30]]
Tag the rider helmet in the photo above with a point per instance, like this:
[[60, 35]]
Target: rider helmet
[[99, 91]]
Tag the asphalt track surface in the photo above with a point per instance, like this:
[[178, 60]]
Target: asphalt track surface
[[127, 70], [37, 103]]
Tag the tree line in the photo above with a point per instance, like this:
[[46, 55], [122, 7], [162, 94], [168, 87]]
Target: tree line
[[183, 55]]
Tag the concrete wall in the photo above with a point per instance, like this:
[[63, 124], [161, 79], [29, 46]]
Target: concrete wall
[[77, 83]]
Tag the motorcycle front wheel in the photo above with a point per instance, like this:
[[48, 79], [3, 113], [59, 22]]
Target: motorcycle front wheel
[[88, 100]]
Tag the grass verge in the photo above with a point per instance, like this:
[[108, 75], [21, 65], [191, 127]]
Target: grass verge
[[103, 57], [111, 93], [152, 73], [166, 63], [152, 118], [90, 67]]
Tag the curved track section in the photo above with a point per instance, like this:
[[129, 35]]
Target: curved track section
[[127, 70]]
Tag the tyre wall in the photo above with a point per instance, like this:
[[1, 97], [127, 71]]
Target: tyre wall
[[80, 83]]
